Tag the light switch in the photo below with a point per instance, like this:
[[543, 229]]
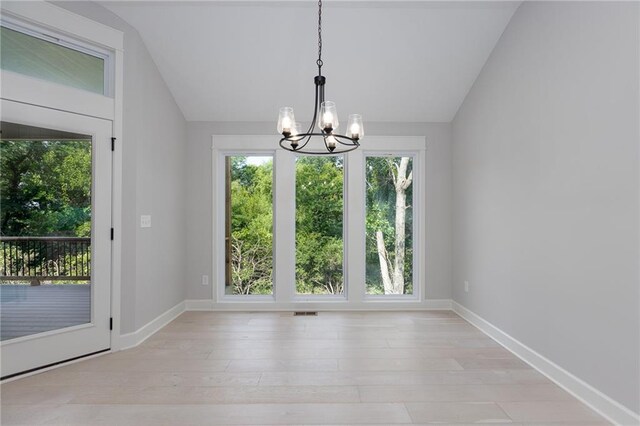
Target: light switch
[[145, 221]]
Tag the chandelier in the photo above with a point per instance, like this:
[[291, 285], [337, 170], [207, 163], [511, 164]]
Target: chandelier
[[325, 117]]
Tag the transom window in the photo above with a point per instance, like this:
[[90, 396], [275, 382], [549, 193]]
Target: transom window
[[32, 52]]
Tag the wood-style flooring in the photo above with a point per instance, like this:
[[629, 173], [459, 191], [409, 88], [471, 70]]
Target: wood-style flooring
[[210, 368]]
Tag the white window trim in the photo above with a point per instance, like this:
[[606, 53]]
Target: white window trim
[[219, 229], [51, 23], [55, 37], [50, 17], [355, 297]]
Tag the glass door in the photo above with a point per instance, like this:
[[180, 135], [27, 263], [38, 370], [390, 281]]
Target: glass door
[[55, 242]]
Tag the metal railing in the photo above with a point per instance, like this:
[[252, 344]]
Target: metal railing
[[45, 258]]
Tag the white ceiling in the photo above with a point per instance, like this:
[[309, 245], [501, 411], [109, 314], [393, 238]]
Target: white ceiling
[[390, 61]]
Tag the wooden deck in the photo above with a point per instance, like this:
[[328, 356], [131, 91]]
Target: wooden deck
[[26, 310]]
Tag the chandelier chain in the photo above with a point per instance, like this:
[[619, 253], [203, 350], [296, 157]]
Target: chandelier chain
[[319, 61], [294, 140]]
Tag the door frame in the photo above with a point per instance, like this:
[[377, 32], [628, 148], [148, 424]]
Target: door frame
[[25, 353], [49, 18]]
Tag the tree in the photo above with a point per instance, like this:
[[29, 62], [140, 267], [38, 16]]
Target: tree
[[389, 181], [319, 242], [319, 225], [394, 283], [251, 227], [46, 188], [251, 267]]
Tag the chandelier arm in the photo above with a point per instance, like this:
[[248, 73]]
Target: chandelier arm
[[309, 133], [315, 109], [300, 149], [351, 140], [324, 139]]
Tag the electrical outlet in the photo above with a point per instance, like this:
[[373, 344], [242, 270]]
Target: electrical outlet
[[205, 280], [145, 221], [466, 286]]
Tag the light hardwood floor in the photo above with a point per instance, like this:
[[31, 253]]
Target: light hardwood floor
[[273, 368]]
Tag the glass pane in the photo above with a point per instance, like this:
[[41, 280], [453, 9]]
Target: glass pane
[[319, 217], [389, 246], [45, 228], [249, 225], [28, 55]]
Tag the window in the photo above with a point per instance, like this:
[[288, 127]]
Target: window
[[335, 231], [52, 59], [248, 225], [389, 224], [319, 225]]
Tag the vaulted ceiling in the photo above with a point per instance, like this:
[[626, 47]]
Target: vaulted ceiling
[[392, 61]]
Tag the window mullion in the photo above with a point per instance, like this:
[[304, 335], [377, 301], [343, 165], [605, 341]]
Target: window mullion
[[285, 226], [355, 218]]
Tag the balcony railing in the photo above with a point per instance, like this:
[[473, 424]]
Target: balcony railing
[[35, 259]]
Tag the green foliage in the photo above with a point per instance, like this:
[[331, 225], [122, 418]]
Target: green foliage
[[251, 226], [319, 248], [46, 188], [319, 224]]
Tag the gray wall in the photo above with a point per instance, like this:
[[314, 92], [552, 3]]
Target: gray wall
[[438, 197], [154, 162], [545, 190]]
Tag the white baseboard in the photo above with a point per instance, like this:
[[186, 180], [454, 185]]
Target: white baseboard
[[371, 305], [199, 305], [130, 340], [596, 400]]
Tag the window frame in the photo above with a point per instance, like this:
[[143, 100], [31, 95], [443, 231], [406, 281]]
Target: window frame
[[221, 232], [354, 231], [69, 42]]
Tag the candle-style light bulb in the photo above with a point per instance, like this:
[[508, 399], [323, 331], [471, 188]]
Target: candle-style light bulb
[[286, 121], [286, 125], [355, 131], [355, 127], [328, 119]]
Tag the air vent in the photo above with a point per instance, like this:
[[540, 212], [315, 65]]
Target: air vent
[[305, 314]]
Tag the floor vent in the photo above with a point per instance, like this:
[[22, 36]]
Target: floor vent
[[305, 314]]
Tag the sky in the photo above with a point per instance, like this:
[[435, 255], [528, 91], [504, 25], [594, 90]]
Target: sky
[[256, 161]]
